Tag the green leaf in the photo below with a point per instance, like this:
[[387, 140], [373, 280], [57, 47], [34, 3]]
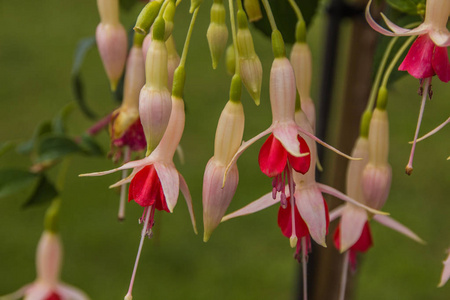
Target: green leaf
[[28, 146], [45, 191], [14, 180], [90, 146], [6, 146], [55, 147], [59, 122], [81, 50], [285, 17], [406, 6]]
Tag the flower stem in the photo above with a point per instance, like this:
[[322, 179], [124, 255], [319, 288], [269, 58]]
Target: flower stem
[[188, 38], [143, 234], [270, 15], [344, 276], [297, 10], [427, 84], [234, 34]]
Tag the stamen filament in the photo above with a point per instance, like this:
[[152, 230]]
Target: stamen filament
[[123, 188], [344, 276], [143, 234], [427, 84]]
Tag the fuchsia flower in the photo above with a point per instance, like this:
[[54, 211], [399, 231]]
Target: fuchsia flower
[[155, 182], [47, 286], [446, 271], [428, 55]]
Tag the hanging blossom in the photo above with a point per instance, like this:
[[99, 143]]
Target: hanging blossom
[[47, 286], [428, 54], [285, 142], [306, 213], [446, 271]]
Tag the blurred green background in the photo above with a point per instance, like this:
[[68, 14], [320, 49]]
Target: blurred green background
[[246, 258]]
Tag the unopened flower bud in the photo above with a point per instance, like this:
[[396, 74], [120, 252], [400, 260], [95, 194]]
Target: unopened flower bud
[[155, 103], [48, 258], [217, 33], [251, 68], [168, 16], [147, 16], [282, 90], [111, 40], [377, 175], [194, 5], [230, 57], [253, 10], [302, 63], [230, 130]]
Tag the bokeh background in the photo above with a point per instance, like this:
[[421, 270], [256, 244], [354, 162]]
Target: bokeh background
[[246, 258]]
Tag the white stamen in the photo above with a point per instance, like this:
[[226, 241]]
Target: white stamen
[[143, 234], [427, 83]]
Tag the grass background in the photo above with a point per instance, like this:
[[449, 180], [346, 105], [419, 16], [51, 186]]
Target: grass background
[[246, 258]]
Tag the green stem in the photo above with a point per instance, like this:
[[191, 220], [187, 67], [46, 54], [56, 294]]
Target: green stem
[[237, 70], [239, 4], [297, 10], [269, 14], [395, 60], [188, 38]]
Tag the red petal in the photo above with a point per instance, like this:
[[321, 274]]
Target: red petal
[[145, 188], [285, 221], [53, 296], [301, 164], [441, 64], [272, 157], [365, 240], [418, 60]]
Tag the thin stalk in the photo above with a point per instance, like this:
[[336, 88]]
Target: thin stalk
[[305, 269], [395, 60], [234, 34], [123, 188], [273, 25], [297, 10], [188, 38]]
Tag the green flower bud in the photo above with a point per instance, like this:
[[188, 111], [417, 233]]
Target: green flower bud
[[253, 10], [168, 16], [230, 56], [217, 34], [147, 16]]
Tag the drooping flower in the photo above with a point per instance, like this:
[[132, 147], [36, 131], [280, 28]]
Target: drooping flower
[[445, 271], [47, 286], [428, 54], [216, 196], [155, 182]]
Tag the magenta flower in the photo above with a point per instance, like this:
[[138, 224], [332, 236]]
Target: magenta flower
[[47, 286]]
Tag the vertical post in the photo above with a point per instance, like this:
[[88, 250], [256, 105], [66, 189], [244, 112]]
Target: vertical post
[[325, 265]]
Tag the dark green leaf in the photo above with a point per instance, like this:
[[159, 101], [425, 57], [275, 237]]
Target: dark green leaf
[[286, 18], [13, 180], [5, 147], [128, 4], [55, 147], [406, 6], [28, 146], [59, 122], [77, 85], [90, 146], [45, 191]]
